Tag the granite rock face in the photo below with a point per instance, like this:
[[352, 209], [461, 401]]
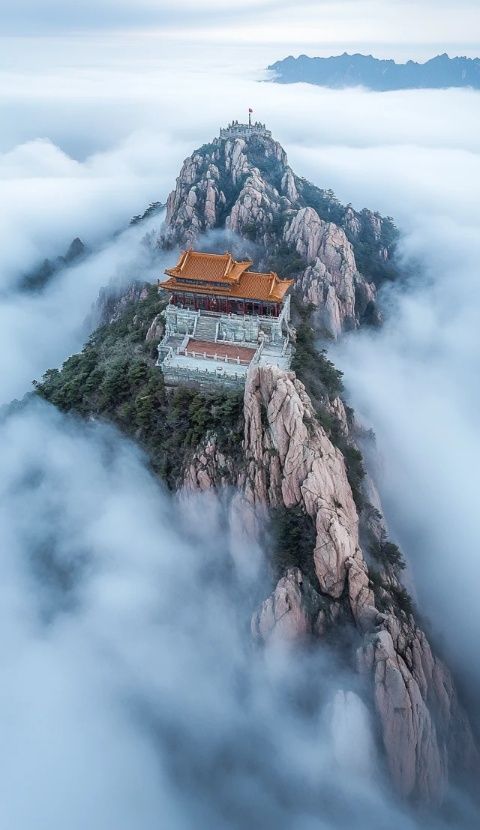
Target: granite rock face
[[423, 724], [206, 181], [245, 185], [256, 207], [330, 279], [112, 301], [289, 614], [291, 462], [209, 468], [156, 329]]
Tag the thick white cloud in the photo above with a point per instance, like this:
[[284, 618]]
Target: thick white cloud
[[41, 329], [50, 198], [137, 84]]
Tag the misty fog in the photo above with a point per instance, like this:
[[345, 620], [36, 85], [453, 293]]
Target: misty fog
[[48, 325], [131, 691], [130, 687]]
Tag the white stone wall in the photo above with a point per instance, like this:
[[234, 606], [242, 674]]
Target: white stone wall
[[189, 376], [179, 320], [238, 329]]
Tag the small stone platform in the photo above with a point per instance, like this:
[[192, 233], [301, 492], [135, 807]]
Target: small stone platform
[[220, 351]]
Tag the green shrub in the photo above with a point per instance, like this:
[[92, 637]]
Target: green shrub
[[355, 470], [292, 542], [366, 246], [402, 599], [286, 260], [389, 596], [323, 201], [393, 555], [311, 364], [386, 552]]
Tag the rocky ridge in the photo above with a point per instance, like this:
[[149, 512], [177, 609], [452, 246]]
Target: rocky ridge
[[244, 185], [285, 454], [291, 462]]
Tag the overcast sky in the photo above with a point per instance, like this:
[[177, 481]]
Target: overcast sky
[[310, 22]]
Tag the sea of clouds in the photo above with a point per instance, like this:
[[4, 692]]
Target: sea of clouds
[[132, 697], [131, 694]]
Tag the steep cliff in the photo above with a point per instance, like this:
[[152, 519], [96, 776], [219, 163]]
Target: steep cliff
[[291, 464], [243, 184]]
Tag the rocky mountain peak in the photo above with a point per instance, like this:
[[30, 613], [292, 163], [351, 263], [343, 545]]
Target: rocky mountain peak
[[217, 175], [241, 182]]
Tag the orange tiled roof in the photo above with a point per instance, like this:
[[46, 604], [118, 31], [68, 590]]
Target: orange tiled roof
[[208, 267], [235, 280], [256, 286]]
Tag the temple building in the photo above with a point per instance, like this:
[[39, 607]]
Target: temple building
[[222, 317]]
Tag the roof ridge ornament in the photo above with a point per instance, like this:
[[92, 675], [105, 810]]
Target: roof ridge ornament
[[184, 258]]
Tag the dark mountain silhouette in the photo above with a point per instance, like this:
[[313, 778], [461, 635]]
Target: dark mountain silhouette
[[38, 278], [346, 70]]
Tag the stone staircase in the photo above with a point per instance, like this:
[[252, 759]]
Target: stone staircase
[[206, 328]]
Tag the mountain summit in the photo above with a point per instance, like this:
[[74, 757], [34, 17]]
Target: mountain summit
[[241, 182]]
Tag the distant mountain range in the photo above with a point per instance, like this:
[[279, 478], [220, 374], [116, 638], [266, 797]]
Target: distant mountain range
[[382, 75]]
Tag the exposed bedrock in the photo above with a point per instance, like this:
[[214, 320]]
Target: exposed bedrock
[[290, 461], [245, 185]]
